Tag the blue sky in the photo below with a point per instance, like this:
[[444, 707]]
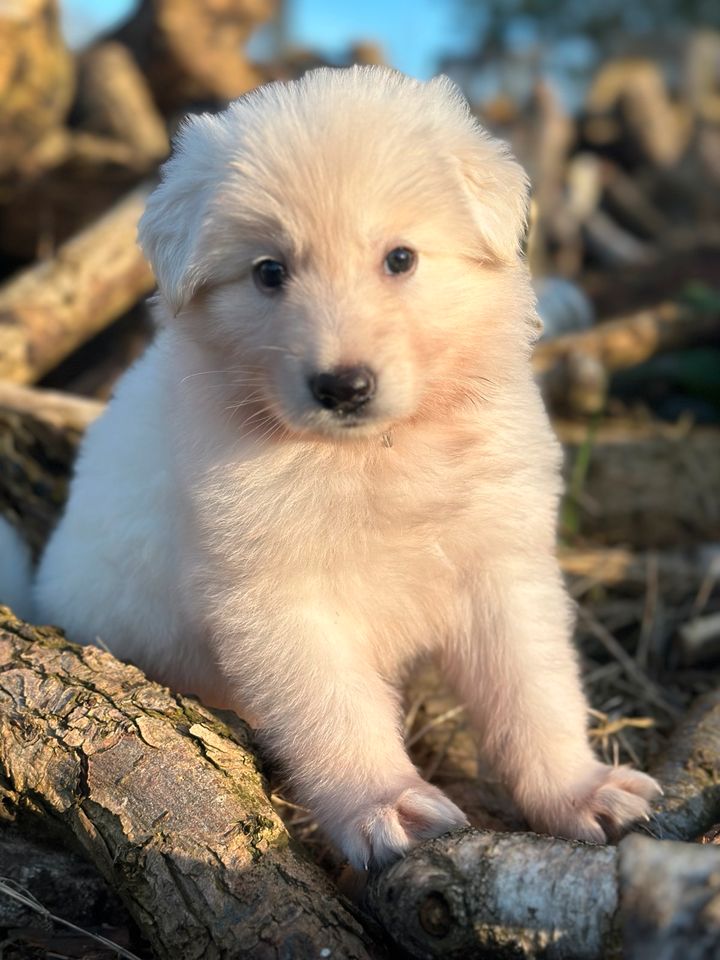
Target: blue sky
[[413, 33]]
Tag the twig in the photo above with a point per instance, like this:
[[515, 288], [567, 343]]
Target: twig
[[435, 722], [10, 889], [631, 668]]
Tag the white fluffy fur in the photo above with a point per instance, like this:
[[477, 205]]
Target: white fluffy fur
[[234, 539]]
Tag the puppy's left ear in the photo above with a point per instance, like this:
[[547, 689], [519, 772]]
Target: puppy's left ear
[[498, 192], [171, 229], [496, 186]]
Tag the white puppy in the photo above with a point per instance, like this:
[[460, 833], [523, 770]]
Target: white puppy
[[334, 459]]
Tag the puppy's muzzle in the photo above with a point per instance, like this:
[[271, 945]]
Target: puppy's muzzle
[[343, 390]]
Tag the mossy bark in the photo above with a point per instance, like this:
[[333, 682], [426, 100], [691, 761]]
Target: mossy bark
[[166, 800]]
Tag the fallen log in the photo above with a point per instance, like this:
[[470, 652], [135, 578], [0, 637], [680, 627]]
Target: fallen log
[[193, 52], [36, 458], [166, 800], [650, 484], [53, 307], [679, 573], [474, 895], [628, 108], [73, 174], [94, 369], [689, 771], [37, 77], [69, 181], [668, 898], [114, 100], [616, 345], [64, 411], [40, 431]]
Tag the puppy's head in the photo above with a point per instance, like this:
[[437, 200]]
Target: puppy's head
[[348, 244]]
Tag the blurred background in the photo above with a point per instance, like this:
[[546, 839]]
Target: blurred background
[[613, 107]]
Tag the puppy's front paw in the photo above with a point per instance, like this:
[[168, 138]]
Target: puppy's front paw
[[385, 829], [602, 808]]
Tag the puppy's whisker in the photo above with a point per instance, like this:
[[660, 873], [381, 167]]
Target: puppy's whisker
[[253, 432], [265, 410], [230, 379], [232, 411], [202, 373], [223, 373], [284, 350], [251, 398], [275, 430], [262, 418]]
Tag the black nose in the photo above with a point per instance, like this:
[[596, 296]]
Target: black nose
[[344, 389]]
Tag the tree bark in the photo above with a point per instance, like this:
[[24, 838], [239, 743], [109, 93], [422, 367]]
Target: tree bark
[[481, 894], [474, 895], [36, 458], [689, 771], [571, 368], [669, 894], [40, 431], [53, 307], [36, 77], [166, 800]]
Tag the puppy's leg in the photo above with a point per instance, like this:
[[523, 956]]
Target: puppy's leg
[[325, 713], [518, 675]]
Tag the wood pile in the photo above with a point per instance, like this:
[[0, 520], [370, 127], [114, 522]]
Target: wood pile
[[197, 856]]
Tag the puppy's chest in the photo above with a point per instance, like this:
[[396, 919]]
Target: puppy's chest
[[382, 518]]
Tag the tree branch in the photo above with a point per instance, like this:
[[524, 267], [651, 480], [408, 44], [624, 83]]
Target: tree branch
[[474, 895], [51, 308]]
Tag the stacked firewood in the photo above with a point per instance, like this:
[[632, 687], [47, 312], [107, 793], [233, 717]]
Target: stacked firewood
[[77, 132], [162, 802]]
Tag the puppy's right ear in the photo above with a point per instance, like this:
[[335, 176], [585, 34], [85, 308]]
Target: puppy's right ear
[[171, 229]]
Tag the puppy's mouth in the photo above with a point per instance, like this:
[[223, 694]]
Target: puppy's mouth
[[352, 420], [351, 425], [335, 425]]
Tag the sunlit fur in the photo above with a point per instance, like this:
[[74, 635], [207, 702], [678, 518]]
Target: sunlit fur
[[237, 540]]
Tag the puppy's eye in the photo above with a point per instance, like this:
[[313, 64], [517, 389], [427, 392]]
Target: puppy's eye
[[269, 274], [400, 260]]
